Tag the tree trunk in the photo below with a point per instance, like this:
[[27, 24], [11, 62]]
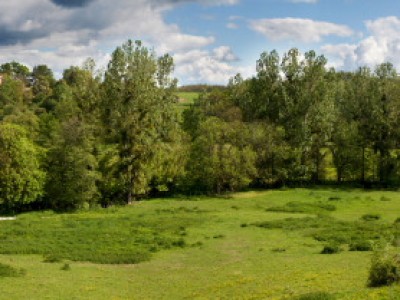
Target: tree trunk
[[131, 184], [363, 166]]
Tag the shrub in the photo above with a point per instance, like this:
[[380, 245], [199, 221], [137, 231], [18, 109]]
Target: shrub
[[360, 246], [385, 269], [330, 249]]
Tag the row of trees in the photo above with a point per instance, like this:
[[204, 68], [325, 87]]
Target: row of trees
[[297, 120], [99, 138]]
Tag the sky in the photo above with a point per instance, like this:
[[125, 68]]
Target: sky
[[210, 40]]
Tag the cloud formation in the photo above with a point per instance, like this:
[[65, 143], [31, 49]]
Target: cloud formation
[[296, 29], [61, 33], [382, 44]]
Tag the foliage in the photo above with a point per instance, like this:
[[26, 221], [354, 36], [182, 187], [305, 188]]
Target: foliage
[[21, 175], [385, 268], [361, 245], [138, 97], [71, 168], [295, 122], [220, 160]]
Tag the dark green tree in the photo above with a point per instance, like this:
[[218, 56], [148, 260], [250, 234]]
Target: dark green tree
[[138, 111]]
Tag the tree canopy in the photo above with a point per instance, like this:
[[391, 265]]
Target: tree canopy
[[114, 136]]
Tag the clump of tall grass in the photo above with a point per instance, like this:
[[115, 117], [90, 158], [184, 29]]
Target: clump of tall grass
[[360, 245]]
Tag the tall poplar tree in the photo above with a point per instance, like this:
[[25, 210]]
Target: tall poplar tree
[[137, 111]]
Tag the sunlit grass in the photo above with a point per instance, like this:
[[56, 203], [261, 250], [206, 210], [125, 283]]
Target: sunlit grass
[[215, 256]]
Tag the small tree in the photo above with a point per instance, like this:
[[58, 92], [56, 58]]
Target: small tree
[[71, 168], [220, 158], [21, 178], [138, 112]]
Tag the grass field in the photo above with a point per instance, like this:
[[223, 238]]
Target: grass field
[[252, 245], [185, 100]]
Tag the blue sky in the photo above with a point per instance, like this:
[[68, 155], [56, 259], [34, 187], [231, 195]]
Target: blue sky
[[211, 40]]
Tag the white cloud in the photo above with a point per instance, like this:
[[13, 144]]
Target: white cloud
[[302, 30], [224, 53], [40, 32], [382, 44], [342, 56], [201, 66]]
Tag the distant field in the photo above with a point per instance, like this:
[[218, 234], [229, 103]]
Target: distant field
[[187, 97], [253, 245], [185, 100]]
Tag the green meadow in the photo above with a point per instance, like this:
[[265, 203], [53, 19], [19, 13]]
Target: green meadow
[[250, 245], [185, 99]]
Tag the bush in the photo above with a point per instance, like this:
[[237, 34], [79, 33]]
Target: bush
[[330, 249], [385, 269], [360, 246]]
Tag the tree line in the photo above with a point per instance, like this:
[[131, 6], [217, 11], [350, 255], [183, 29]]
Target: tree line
[[99, 138]]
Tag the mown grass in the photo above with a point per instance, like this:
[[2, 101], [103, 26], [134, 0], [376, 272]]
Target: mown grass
[[276, 255]]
